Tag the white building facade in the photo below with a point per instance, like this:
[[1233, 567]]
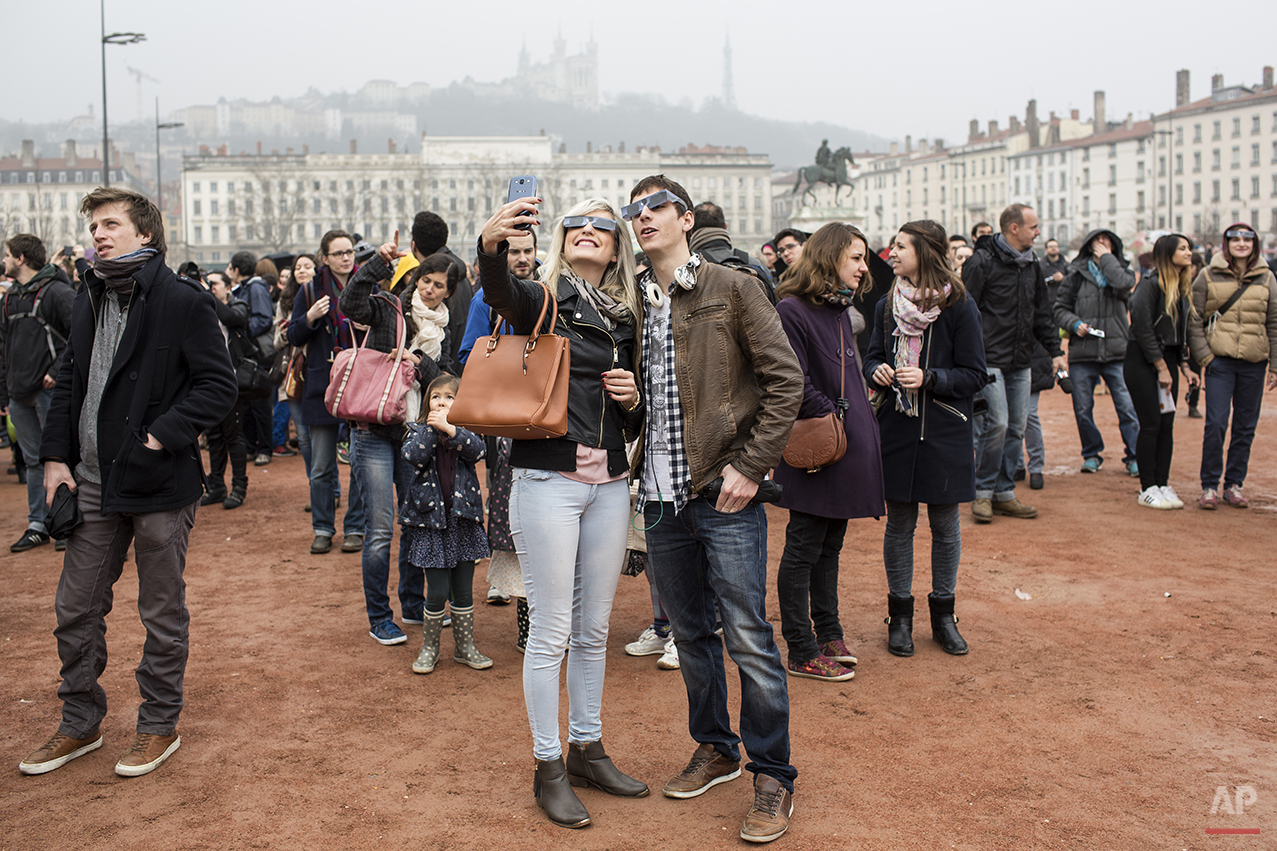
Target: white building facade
[[285, 202]]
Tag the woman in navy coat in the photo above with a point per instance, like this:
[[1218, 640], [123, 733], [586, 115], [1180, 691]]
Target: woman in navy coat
[[814, 298], [926, 363]]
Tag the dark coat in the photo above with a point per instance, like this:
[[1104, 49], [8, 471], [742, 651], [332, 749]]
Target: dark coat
[[1013, 306], [326, 338], [33, 346], [1082, 299], [928, 458], [852, 486], [424, 504], [171, 378], [594, 419], [1152, 328]]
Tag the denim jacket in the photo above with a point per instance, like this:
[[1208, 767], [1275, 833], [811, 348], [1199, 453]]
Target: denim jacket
[[424, 505]]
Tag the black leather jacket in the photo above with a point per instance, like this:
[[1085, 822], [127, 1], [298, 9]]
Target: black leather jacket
[[594, 419]]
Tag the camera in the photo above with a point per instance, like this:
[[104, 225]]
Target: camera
[[1066, 383]]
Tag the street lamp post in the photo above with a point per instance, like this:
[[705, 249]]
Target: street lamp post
[[113, 38], [159, 182]]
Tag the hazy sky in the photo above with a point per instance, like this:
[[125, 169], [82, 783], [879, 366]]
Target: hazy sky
[[923, 68]]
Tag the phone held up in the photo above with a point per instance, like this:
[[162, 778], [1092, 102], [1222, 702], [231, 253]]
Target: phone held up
[[524, 186]]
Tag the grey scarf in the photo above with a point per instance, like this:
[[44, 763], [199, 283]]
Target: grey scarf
[[1022, 258], [117, 272]]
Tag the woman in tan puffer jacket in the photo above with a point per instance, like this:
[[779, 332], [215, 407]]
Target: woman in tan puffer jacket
[[1235, 347]]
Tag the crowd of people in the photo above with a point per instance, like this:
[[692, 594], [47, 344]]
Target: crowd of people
[[690, 364]]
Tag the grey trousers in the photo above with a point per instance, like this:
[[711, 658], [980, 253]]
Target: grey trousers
[[94, 561]]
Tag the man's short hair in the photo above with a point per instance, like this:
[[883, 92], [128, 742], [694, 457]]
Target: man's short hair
[[429, 233], [799, 236], [29, 247], [957, 237], [708, 215], [141, 211], [976, 228], [245, 263], [1012, 215], [1051, 240], [533, 233], [655, 183]]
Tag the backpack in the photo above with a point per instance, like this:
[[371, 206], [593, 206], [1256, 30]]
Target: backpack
[[741, 262], [34, 313], [252, 364]]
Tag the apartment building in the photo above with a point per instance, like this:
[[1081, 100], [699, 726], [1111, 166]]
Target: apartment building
[[285, 202]]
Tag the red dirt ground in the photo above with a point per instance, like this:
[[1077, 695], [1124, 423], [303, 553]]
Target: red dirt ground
[[1103, 713]]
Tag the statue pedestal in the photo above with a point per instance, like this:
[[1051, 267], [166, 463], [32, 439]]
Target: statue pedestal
[[811, 219]]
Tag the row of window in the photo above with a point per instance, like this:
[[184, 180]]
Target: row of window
[[63, 176], [366, 184]]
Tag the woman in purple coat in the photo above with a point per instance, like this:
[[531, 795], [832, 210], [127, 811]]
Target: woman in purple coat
[[926, 359], [814, 298]]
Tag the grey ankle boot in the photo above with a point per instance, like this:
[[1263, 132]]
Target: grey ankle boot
[[430, 626], [463, 635]]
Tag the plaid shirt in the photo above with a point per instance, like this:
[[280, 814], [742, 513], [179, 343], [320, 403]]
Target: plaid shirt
[[664, 433]]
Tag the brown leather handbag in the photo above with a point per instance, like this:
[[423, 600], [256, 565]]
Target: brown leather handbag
[[514, 385], [817, 442]]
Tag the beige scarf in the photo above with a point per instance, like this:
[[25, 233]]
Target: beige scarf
[[430, 326]]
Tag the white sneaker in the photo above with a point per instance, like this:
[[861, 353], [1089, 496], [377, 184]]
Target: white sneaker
[[649, 643], [1151, 497], [669, 659], [1169, 495]]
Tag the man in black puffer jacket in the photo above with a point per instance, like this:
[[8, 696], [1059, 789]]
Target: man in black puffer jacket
[[1091, 306], [1005, 280]]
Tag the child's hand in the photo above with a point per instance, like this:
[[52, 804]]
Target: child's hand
[[439, 420]]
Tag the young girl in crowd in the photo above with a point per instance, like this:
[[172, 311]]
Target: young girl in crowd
[[926, 358], [1160, 312], [442, 521]]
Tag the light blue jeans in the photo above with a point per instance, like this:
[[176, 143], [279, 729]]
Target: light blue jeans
[[570, 538], [1000, 433]]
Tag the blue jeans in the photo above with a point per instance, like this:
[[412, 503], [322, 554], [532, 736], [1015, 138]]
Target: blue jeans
[[696, 556], [325, 487], [1000, 433], [28, 424], [946, 547], [279, 427], [303, 434], [1230, 383], [1033, 444], [570, 538], [380, 476], [1085, 376]]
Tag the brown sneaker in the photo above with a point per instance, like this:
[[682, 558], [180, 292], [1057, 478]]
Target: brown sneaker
[[707, 768], [1014, 508], [147, 754], [982, 511], [58, 751], [768, 819]]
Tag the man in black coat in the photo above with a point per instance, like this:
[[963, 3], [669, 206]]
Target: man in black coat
[[145, 371], [1004, 279], [34, 322]]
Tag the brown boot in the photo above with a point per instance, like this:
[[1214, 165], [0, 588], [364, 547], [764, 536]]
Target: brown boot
[[588, 765], [1014, 508], [58, 751], [554, 794], [982, 511], [147, 754], [768, 819]]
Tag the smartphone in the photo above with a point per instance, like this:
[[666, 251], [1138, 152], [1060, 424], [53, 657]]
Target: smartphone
[[68, 251], [522, 187]]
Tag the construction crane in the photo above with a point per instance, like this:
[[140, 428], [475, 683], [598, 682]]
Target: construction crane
[[141, 75]]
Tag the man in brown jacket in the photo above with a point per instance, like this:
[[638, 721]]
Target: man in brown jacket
[[723, 387]]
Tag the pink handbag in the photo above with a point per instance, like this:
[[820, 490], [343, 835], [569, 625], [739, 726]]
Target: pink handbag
[[369, 386]]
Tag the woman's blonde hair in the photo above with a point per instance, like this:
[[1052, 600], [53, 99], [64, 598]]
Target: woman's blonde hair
[[1174, 281], [816, 272], [618, 279]]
